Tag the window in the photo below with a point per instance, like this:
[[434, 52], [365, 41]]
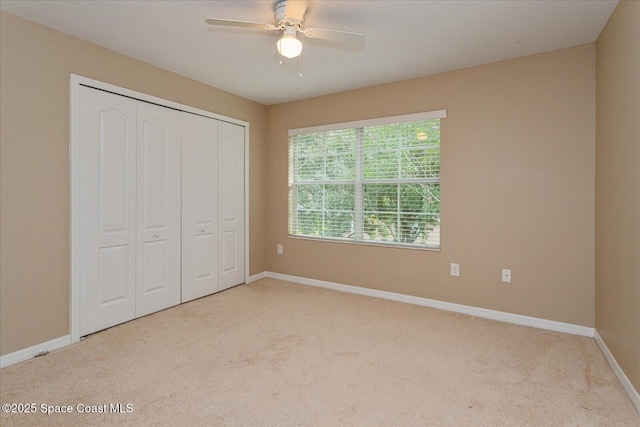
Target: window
[[374, 181]]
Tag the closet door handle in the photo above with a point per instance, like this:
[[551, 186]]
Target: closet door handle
[[156, 235], [202, 230]]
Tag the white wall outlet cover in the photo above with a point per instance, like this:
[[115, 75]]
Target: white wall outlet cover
[[455, 269]]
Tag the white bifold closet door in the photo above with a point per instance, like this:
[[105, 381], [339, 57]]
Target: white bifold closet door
[[159, 208], [107, 129], [213, 206], [200, 207], [231, 204], [130, 208]]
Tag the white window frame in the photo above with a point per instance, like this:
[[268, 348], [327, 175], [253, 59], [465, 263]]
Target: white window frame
[[358, 125]]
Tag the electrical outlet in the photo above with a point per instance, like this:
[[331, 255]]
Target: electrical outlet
[[455, 269], [279, 249], [506, 275]]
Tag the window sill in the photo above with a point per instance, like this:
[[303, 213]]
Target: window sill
[[366, 243]]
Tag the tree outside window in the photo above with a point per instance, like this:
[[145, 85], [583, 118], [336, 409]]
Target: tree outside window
[[375, 184]]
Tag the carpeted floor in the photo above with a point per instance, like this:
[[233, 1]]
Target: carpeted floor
[[274, 353]]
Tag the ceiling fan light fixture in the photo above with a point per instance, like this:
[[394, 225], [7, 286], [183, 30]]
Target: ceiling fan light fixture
[[289, 46], [289, 16]]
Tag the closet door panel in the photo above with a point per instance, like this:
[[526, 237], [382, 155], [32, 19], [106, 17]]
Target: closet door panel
[[199, 206], [159, 210], [107, 209], [114, 274], [204, 249], [229, 245], [231, 204]]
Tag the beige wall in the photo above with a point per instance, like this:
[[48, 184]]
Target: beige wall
[[618, 187], [34, 199], [518, 153]]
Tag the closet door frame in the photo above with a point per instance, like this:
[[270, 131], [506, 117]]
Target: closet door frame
[[74, 144]]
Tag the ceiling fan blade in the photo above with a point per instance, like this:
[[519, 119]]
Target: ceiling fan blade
[[335, 35], [245, 24], [296, 9]]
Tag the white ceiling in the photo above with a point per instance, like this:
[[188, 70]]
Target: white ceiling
[[404, 39]]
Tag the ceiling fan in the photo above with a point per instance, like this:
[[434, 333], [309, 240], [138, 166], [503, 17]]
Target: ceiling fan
[[289, 16]]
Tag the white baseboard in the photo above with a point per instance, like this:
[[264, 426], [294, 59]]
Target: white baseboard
[[517, 319], [624, 381], [28, 353], [255, 277]]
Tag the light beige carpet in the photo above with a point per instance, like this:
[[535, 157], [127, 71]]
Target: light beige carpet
[[274, 353]]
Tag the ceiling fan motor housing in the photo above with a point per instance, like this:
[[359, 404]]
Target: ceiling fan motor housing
[[279, 10], [282, 20]]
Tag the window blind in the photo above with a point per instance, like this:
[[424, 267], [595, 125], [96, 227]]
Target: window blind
[[368, 182]]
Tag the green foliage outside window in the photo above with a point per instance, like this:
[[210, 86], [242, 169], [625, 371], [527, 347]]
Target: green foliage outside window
[[378, 183]]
